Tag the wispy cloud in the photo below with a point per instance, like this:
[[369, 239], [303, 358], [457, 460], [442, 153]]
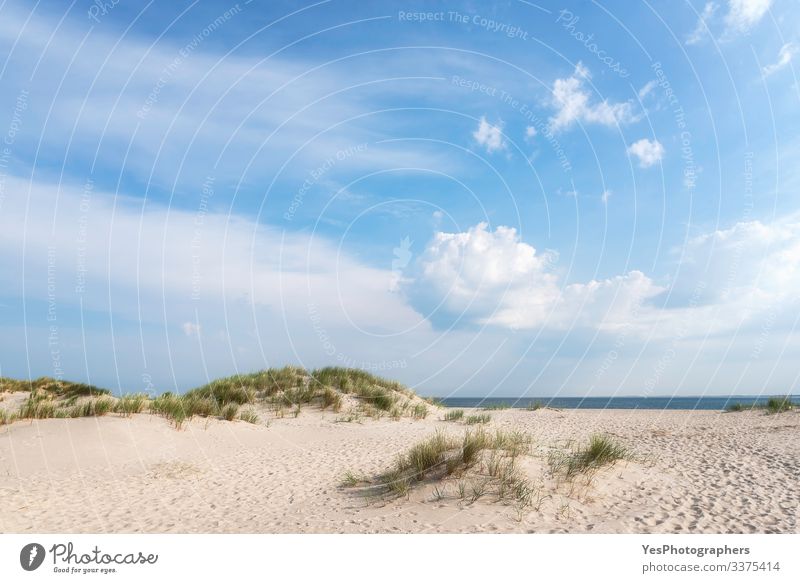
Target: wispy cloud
[[785, 56], [701, 29]]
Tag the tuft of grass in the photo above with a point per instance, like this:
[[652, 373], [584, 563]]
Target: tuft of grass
[[497, 406], [332, 399], [249, 416], [779, 404], [600, 451], [7, 418], [476, 419], [193, 404], [351, 480], [535, 406], [735, 407], [37, 407], [425, 456], [229, 411], [128, 405], [419, 411], [170, 406], [377, 397], [90, 408], [454, 415], [481, 462]]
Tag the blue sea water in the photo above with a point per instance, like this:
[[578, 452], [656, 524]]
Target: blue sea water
[[682, 403]]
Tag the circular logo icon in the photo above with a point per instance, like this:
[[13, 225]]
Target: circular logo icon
[[31, 556]]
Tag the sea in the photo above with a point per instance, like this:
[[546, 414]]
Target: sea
[[679, 403]]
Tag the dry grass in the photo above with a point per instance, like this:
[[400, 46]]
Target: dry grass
[[481, 463], [454, 415], [600, 451]]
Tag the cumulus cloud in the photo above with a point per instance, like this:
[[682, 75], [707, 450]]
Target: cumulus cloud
[[648, 152], [727, 280], [496, 278], [701, 28], [750, 261], [489, 136], [785, 56], [574, 104], [745, 14]]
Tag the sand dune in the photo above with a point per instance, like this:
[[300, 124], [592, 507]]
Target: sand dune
[[692, 472]]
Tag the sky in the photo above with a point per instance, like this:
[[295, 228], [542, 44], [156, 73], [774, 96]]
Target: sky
[[505, 199]]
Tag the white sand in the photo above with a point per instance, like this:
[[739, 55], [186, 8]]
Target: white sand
[[695, 472]]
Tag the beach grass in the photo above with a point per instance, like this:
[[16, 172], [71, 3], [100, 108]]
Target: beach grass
[[419, 411], [779, 404], [7, 418], [128, 405], [481, 463], [774, 405], [534, 406], [497, 407], [453, 415], [478, 419], [249, 416], [600, 451], [283, 389]]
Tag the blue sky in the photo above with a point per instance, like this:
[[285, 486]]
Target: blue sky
[[518, 199]]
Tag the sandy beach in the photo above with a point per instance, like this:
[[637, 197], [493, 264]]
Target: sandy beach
[[690, 472]]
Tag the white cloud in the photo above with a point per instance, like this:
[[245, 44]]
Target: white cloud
[[574, 104], [648, 152], [701, 28], [785, 56], [648, 87], [727, 280], [745, 14], [489, 136], [497, 279], [191, 329], [750, 261], [605, 196], [126, 94], [530, 132], [160, 269]]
